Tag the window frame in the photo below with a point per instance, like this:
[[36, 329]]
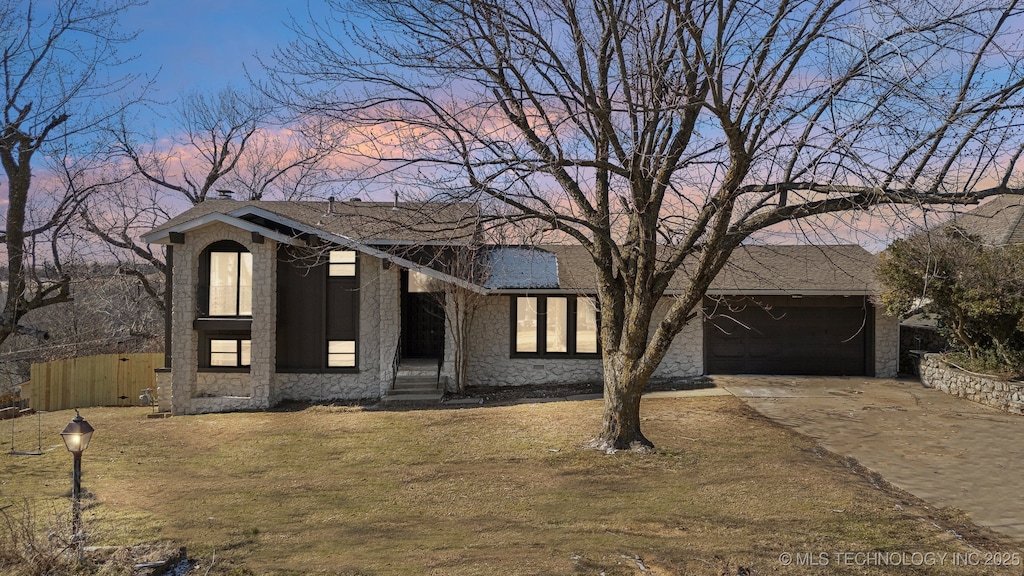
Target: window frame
[[541, 327], [348, 260], [205, 286], [206, 339], [354, 353]]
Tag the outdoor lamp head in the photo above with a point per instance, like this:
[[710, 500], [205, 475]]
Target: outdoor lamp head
[[77, 434]]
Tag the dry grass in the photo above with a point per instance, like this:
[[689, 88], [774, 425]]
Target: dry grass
[[501, 490]]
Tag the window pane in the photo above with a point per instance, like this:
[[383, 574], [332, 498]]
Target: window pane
[[586, 326], [245, 284], [557, 324], [246, 352], [224, 346], [420, 282], [526, 324], [341, 354], [341, 347], [342, 270], [223, 283], [343, 257], [223, 353], [341, 263]]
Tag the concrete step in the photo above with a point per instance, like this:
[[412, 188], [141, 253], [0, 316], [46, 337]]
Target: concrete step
[[392, 398], [417, 373], [430, 382], [397, 390]]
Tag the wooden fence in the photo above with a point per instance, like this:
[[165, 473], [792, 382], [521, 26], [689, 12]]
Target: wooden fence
[[104, 380]]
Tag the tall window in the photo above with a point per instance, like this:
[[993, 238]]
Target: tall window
[[229, 279], [224, 307], [557, 323], [526, 324], [554, 326], [586, 326]]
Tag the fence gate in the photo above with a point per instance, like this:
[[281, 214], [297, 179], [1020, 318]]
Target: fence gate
[[103, 380]]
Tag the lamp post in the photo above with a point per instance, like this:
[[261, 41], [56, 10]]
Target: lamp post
[[76, 437]]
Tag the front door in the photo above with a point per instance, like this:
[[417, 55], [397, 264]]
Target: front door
[[422, 320]]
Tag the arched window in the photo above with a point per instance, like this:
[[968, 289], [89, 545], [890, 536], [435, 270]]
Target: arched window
[[225, 272]]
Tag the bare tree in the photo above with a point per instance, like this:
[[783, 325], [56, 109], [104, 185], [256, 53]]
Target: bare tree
[[58, 65], [214, 134], [661, 135], [460, 304], [229, 141]]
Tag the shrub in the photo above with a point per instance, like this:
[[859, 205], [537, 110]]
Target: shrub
[[977, 292]]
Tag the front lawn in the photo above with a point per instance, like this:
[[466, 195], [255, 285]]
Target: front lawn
[[491, 490]]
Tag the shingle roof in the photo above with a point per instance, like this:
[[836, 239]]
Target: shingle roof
[[798, 269], [998, 222], [370, 222], [787, 269], [791, 269]]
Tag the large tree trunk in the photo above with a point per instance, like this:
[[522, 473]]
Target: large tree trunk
[[623, 387]]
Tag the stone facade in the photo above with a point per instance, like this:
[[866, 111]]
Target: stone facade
[[163, 389], [378, 336], [223, 384], [490, 363], [191, 392], [1002, 394], [187, 389], [887, 344]]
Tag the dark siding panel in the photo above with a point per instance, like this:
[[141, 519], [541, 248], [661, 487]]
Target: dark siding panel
[[300, 297], [781, 335], [342, 309]]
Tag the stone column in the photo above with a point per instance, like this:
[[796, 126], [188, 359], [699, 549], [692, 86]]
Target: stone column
[[389, 321], [264, 324], [184, 363]]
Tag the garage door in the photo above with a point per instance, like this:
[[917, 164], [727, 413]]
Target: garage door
[[824, 336]]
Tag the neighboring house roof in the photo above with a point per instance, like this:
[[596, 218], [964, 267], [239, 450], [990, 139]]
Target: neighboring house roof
[[785, 269], [998, 222], [377, 223]]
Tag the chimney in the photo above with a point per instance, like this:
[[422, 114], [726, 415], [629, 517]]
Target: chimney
[[330, 205], [395, 207], [225, 194]]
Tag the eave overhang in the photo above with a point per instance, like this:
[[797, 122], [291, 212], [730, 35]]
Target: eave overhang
[[164, 236]]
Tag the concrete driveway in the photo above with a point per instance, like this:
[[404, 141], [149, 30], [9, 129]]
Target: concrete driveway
[[945, 450]]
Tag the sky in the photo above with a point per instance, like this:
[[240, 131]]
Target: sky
[[208, 44]]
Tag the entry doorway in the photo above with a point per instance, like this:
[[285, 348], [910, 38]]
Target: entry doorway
[[422, 317]]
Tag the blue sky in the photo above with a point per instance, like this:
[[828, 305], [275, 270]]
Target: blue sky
[[206, 44]]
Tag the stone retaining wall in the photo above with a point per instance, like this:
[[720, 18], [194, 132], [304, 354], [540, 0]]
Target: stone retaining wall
[[1002, 394]]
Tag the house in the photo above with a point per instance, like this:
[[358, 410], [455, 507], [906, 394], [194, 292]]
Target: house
[[998, 222], [314, 301]]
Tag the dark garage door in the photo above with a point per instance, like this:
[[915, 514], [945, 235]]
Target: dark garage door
[[824, 336]]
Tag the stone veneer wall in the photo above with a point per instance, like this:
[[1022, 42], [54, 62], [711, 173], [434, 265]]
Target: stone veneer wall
[[491, 364], [222, 384], [887, 344], [1002, 394], [378, 336], [163, 389], [190, 392]]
